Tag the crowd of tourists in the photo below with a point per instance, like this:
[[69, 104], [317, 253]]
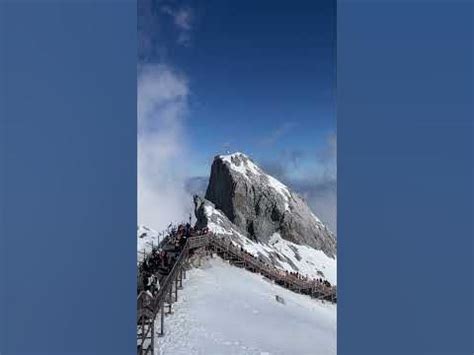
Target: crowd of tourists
[[283, 275], [316, 281], [159, 263]]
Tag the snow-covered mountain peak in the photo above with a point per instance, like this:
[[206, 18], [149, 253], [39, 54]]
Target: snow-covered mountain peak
[[258, 205], [242, 164]]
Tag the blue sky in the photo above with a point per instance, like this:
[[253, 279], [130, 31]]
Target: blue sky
[[257, 77]]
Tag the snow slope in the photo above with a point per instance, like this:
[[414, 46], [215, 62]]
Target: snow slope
[[283, 254], [226, 310]]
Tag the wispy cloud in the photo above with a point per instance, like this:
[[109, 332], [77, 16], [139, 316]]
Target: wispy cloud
[[328, 153], [277, 133], [162, 107], [316, 182], [321, 196], [183, 19], [149, 30], [162, 24], [320, 188], [162, 104]]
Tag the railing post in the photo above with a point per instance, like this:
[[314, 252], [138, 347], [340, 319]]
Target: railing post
[[176, 288], [142, 334], [162, 325], [170, 300], [152, 336]]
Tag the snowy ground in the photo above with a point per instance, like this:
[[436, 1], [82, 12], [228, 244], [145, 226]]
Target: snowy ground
[[226, 310]]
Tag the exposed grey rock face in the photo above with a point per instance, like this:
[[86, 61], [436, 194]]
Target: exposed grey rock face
[[258, 205], [207, 215]]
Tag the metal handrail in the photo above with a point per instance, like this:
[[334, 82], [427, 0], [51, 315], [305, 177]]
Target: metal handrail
[[302, 284], [159, 298]]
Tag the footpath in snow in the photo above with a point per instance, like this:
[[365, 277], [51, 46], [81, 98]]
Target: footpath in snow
[[226, 310]]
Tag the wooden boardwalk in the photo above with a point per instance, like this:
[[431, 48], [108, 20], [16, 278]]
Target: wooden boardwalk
[[150, 307], [238, 257]]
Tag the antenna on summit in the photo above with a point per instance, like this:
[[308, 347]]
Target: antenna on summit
[[227, 148]]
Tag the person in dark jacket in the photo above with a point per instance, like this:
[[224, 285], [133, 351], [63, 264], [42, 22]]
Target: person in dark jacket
[[182, 242]]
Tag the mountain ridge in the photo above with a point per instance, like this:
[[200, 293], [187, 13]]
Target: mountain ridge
[[259, 205]]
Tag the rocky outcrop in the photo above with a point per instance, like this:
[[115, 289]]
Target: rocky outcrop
[[258, 205]]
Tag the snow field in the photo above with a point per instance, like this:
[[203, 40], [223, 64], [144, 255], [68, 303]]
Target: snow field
[[226, 310]]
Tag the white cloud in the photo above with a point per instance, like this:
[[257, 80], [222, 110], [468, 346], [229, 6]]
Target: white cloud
[[321, 196], [314, 176], [183, 19], [162, 103], [277, 133]]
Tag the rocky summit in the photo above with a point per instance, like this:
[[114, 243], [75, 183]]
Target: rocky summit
[[260, 207]]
